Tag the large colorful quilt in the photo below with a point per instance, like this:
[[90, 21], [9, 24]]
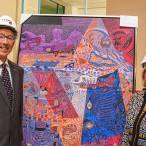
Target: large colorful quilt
[[79, 76]]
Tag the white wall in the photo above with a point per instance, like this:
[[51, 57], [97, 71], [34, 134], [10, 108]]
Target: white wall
[[31, 6]]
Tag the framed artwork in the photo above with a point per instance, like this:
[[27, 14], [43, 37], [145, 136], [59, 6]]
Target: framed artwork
[[79, 77]]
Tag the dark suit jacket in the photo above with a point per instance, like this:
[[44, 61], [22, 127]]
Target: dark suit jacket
[[11, 118]]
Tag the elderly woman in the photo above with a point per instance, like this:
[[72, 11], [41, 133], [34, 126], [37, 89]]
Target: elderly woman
[[135, 128]]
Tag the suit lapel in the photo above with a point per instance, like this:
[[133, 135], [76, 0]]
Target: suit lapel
[[4, 92], [15, 76]]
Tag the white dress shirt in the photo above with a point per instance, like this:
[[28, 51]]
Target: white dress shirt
[[8, 68]]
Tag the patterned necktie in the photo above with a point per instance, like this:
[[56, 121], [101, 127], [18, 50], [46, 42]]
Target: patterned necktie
[[7, 83]]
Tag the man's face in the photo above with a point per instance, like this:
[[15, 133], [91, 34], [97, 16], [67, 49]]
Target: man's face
[[7, 40]]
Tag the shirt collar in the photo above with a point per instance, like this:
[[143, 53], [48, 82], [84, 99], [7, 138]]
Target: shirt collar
[[6, 62]]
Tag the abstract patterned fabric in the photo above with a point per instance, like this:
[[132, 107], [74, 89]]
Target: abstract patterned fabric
[[78, 80], [134, 107]]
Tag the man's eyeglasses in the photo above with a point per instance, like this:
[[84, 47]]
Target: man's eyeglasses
[[9, 38]]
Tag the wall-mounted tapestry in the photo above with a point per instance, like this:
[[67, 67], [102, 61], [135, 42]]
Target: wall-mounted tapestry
[[79, 76]]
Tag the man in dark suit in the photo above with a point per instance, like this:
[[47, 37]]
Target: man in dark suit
[[11, 87]]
